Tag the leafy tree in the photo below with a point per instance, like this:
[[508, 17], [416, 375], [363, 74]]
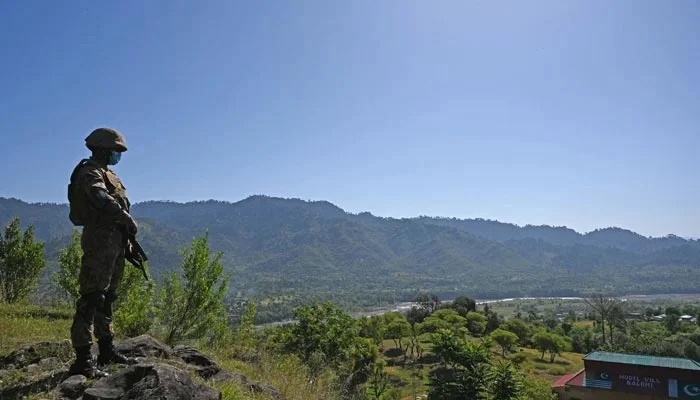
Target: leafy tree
[[463, 305], [397, 327], [373, 328], [505, 339], [672, 319], [504, 381], [191, 306], [551, 342], [520, 328], [245, 340], [535, 388], [492, 322], [616, 319], [428, 302], [21, 262], [416, 315], [476, 323], [443, 319], [66, 277], [378, 384], [326, 336], [582, 339], [466, 363]]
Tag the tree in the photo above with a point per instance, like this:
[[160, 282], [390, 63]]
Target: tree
[[443, 319], [373, 328], [396, 328], [601, 305], [504, 382], [582, 339], [429, 302], [21, 262], [191, 306], [466, 367], [616, 319], [492, 322], [326, 336], [476, 323], [463, 305], [505, 339], [66, 277], [535, 388], [551, 342], [671, 321], [520, 328], [134, 306]]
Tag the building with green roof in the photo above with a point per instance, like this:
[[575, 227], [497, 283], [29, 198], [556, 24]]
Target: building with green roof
[[617, 376]]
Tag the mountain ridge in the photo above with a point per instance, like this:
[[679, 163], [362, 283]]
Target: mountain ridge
[[293, 249]]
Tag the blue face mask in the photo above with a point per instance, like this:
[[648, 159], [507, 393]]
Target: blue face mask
[[114, 158]]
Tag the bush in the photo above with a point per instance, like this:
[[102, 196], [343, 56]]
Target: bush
[[133, 311], [21, 262], [66, 277], [191, 307]]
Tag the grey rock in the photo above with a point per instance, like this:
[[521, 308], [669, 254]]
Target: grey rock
[[42, 382], [32, 368], [32, 354], [50, 362], [73, 387], [267, 389], [103, 394], [149, 381], [193, 356], [144, 346]]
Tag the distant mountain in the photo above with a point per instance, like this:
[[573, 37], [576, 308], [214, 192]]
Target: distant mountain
[[290, 250]]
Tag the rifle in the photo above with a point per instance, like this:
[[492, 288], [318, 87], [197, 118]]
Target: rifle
[[139, 258]]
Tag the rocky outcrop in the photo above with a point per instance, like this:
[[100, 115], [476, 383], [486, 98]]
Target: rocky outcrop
[[150, 381], [206, 368], [144, 346], [162, 373]]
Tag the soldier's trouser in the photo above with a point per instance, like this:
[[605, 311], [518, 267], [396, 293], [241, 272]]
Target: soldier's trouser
[[101, 272]]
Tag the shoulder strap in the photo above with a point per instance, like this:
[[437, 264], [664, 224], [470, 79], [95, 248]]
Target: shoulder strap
[[82, 163]]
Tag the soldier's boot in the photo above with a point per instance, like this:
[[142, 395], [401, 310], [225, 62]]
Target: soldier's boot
[[108, 354], [83, 364]]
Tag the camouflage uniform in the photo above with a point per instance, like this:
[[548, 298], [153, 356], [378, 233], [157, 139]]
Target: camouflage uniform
[[98, 202], [104, 244]]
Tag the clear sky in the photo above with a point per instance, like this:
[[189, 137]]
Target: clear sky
[[578, 113]]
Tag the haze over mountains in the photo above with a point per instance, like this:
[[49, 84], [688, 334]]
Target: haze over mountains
[[286, 250]]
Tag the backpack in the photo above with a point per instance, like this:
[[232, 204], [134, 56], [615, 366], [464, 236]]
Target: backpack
[[79, 208]]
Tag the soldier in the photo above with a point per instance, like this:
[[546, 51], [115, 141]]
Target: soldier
[[98, 202]]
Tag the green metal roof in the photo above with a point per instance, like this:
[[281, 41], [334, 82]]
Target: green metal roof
[[636, 359]]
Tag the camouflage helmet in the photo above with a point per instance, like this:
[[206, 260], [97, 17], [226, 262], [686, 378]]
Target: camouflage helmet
[[106, 138]]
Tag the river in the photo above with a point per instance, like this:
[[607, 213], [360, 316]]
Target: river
[[405, 306]]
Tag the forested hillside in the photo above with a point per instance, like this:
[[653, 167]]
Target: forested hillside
[[287, 251]]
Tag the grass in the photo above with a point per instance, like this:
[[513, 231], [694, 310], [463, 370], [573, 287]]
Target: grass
[[286, 373], [22, 324]]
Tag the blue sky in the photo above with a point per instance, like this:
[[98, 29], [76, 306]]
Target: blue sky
[[576, 113]]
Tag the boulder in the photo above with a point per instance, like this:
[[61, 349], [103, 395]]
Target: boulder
[[72, 388], [32, 354], [193, 356], [149, 381], [144, 346]]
